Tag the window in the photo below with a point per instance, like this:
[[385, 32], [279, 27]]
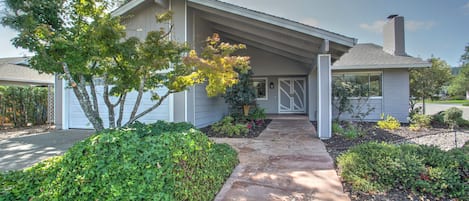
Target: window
[[260, 86], [362, 84]]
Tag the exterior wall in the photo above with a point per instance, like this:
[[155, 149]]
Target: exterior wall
[[375, 103], [141, 21], [207, 110], [58, 103], [271, 104], [396, 93], [268, 64], [395, 99]]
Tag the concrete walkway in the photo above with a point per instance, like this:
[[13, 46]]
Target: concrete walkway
[[286, 162], [21, 152]]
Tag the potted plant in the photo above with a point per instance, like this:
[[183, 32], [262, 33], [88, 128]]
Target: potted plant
[[241, 95]]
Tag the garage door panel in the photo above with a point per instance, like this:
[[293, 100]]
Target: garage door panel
[[77, 118]]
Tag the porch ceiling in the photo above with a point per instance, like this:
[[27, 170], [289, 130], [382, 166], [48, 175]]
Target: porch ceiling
[[279, 40]]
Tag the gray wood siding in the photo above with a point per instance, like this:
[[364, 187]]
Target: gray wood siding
[[141, 21], [396, 93], [362, 105], [207, 110], [271, 104]]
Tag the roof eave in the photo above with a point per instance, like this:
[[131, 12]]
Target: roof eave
[[381, 66], [281, 22], [126, 7]]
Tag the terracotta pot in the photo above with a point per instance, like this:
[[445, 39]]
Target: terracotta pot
[[246, 110]]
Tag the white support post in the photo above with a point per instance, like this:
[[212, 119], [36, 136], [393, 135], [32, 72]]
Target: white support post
[[324, 96]]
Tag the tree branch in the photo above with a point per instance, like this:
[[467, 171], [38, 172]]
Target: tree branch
[[157, 104], [139, 97], [121, 109]]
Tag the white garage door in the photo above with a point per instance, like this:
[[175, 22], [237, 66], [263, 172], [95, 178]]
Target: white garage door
[[77, 119]]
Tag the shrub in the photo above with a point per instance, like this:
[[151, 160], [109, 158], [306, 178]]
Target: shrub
[[257, 113], [228, 127], [379, 167], [124, 164], [419, 121], [353, 131], [390, 123], [451, 115], [337, 128]]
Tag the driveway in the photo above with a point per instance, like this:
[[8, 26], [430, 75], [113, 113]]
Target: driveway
[[286, 162], [21, 152], [432, 108]]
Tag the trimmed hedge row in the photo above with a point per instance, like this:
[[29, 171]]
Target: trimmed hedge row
[[379, 167], [161, 161]]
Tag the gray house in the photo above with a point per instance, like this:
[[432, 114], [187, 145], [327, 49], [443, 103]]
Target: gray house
[[292, 63]]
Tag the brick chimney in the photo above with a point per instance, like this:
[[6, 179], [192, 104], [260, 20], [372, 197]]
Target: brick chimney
[[394, 37]]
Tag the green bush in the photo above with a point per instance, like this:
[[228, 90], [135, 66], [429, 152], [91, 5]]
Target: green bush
[[337, 128], [23, 105], [126, 164], [379, 167], [353, 131], [390, 123], [257, 113], [451, 116], [419, 121], [228, 127]]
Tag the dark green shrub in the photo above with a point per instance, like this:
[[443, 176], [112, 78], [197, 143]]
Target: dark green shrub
[[451, 115], [228, 127], [378, 167], [240, 94], [257, 113], [23, 105], [337, 128], [125, 165]]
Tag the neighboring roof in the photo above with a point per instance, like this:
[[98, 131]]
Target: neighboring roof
[[260, 16], [372, 56], [15, 71]]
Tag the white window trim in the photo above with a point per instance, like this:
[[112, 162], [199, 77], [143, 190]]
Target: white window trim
[[363, 72], [266, 87]]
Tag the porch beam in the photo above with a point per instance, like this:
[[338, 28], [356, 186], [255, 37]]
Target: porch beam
[[263, 29], [324, 96], [324, 47], [272, 43], [269, 49]]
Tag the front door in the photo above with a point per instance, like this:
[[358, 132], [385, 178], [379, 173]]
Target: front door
[[292, 95]]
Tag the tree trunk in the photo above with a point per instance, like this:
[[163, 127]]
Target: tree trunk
[[149, 109], [82, 95], [121, 109], [139, 98], [110, 107], [423, 105]]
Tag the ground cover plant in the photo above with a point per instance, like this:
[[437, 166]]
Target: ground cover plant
[[161, 161], [379, 167]]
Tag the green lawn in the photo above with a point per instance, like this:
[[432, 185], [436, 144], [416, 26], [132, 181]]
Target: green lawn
[[460, 102]]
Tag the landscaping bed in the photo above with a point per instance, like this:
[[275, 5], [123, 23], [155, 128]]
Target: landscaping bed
[[160, 161], [440, 137], [254, 131]]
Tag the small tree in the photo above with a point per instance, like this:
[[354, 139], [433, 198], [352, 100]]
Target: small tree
[[81, 42], [426, 82], [241, 94], [342, 91]]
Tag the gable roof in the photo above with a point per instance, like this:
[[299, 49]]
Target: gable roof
[[372, 56], [15, 71], [260, 16]]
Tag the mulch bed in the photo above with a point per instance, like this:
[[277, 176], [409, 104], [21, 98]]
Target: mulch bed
[[253, 132], [339, 144]]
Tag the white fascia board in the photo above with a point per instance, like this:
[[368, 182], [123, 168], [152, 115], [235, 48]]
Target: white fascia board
[[381, 66], [281, 22], [126, 7]]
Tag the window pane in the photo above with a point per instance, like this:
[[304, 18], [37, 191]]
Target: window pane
[[375, 85], [260, 86]]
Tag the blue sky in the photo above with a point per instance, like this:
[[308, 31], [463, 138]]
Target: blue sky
[[433, 27]]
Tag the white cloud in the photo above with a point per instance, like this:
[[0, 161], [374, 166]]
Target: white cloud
[[413, 25], [310, 21], [410, 25], [466, 7], [376, 26]]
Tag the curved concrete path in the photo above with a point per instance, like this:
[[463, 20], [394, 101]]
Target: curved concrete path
[[286, 162]]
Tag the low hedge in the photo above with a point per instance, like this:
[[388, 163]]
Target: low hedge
[[378, 167], [162, 161]]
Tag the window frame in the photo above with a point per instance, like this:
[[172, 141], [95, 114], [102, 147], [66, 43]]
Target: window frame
[[266, 87], [369, 73]]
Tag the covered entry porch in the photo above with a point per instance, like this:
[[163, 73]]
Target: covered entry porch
[[291, 62]]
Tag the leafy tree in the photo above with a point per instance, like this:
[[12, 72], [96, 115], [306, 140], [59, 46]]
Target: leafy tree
[[460, 84], [81, 42], [241, 94], [426, 82]]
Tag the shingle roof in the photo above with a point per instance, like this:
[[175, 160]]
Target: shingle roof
[[372, 56], [14, 71]]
